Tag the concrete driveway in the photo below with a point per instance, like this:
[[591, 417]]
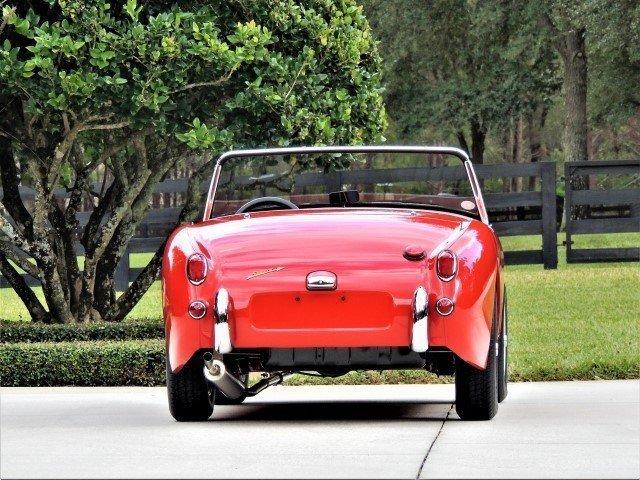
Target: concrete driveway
[[564, 429]]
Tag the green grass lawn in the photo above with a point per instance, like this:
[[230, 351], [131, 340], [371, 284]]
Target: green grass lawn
[[581, 321]]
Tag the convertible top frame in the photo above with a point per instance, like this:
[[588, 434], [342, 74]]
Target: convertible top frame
[[264, 152]]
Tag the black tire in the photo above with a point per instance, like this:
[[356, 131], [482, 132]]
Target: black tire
[[189, 395], [219, 398], [503, 353], [477, 390]]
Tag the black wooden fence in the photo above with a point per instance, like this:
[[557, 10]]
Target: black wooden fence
[[521, 213], [511, 213], [612, 208]]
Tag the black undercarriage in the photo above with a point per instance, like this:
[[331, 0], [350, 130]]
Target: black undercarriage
[[332, 361]]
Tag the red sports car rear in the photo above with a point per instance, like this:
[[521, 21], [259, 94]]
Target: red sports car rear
[[332, 289]]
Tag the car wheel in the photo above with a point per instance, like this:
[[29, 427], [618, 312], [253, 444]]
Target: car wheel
[[477, 390], [503, 353], [219, 398], [188, 392]]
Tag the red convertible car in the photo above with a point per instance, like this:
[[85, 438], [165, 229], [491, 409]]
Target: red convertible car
[[358, 277]]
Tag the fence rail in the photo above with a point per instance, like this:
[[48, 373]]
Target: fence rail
[[511, 213], [582, 203]]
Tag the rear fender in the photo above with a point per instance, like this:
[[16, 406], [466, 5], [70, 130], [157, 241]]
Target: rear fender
[[467, 330], [184, 334]]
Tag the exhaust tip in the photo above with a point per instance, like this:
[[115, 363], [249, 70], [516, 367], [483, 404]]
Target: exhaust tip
[[214, 370]]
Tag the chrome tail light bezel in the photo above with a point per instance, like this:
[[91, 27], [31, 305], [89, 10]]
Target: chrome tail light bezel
[[203, 308], [206, 268], [447, 278], [439, 307]]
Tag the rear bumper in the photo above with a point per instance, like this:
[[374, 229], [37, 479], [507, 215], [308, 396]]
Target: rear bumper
[[407, 330], [322, 319], [309, 320]]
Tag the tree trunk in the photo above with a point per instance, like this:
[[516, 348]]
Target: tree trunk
[[508, 137], [575, 96], [571, 46], [535, 124], [478, 136], [518, 153]]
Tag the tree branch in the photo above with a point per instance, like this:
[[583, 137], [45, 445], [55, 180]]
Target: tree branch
[[463, 141], [64, 147], [110, 152], [137, 289], [20, 258], [149, 274], [105, 126], [558, 36], [214, 83], [11, 187], [19, 285], [106, 202], [10, 233], [295, 80]]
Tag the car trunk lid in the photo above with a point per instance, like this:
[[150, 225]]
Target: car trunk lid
[[264, 259]]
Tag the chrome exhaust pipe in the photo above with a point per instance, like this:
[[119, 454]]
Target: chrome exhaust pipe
[[232, 388], [216, 373]]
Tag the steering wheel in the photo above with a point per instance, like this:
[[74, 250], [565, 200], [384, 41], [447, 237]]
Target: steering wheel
[[259, 203]]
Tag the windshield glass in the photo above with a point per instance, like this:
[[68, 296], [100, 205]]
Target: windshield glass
[[405, 180]]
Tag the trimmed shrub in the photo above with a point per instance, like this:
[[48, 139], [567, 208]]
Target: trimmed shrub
[[133, 362], [14, 332], [142, 363]]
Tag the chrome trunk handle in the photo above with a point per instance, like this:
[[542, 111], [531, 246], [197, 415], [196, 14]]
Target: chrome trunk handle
[[322, 280]]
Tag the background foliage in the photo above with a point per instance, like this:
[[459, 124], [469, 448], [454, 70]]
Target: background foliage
[[101, 100], [490, 74]]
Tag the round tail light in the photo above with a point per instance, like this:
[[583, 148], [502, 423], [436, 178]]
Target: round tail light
[[197, 268], [197, 309], [444, 306], [447, 265]]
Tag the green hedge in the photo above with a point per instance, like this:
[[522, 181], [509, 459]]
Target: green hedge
[[131, 362], [14, 332], [142, 363]]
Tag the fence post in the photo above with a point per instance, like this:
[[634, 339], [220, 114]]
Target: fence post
[[549, 226], [568, 202], [121, 275]]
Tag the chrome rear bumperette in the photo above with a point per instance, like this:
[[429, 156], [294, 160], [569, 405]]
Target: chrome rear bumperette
[[420, 329], [221, 334]]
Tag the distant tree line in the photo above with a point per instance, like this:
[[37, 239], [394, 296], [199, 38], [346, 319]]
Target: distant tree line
[[498, 76]]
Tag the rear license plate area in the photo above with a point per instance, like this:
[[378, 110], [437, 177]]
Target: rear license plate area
[[321, 310]]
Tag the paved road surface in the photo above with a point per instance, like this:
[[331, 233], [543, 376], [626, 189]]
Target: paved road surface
[[566, 429]]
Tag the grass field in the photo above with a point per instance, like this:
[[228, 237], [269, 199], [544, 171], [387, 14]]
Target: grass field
[[581, 321]]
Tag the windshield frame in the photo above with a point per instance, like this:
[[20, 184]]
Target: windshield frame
[[265, 152]]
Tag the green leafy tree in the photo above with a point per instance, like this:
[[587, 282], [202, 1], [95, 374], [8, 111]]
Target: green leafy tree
[[461, 66], [123, 92], [613, 45], [597, 42]]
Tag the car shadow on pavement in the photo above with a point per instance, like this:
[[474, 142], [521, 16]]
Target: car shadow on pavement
[[341, 410]]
